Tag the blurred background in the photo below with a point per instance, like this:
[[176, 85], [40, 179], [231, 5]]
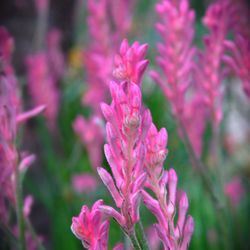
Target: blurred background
[[61, 156]]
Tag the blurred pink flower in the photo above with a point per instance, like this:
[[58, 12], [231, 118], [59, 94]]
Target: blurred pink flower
[[176, 60], [176, 27], [55, 54], [84, 183], [234, 190], [11, 116], [6, 46], [42, 86], [28, 202], [91, 133], [210, 72], [91, 227]]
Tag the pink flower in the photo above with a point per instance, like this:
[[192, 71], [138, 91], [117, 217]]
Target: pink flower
[[176, 27], [127, 126], [164, 186], [10, 118], [130, 63], [234, 190], [43, 87], [176, 60], [91, 227], [84, 183], [126, 129], [173, 236], [91, 133], [55, 54]]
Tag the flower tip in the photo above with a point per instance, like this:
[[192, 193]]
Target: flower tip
[[124, 46], [26, 162], [184, 201], [189, 227], [172, 175]]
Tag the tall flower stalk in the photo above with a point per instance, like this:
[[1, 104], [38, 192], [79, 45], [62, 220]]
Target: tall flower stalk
[[136, 155], [12, 165], [163, 183], [176, 60]]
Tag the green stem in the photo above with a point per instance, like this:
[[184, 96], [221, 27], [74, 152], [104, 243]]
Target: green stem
[[19, 209], [141, 237], [135, 242]]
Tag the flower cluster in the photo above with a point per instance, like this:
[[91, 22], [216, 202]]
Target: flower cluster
[[127, 126], [176, 60], [91, 228], [10, 117], [192, 78], [163, 183], [135, 152]]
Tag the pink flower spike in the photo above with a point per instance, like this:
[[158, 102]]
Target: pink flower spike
[[29, 114], [164, 185], [177, 63], [91, 227], [126, 130]]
